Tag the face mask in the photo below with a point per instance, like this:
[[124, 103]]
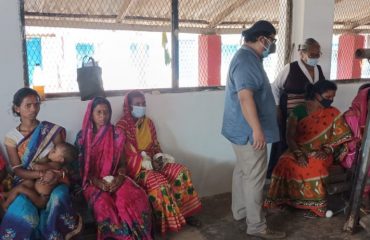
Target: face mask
[[326, 102], [138, 111], [271, 48], [312, 61]]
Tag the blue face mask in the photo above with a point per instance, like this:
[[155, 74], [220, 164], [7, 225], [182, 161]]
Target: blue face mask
[[312, 61], [138, 111], [326, 102], [271, 48]]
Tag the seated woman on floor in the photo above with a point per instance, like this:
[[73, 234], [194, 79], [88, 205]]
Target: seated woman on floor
[[316, 134], [169, 185]]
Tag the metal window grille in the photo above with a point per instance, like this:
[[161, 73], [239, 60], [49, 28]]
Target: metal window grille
[[131, 40]]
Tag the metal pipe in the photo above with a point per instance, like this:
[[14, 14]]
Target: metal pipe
[[24, 44], [362, 169], [175, 43]]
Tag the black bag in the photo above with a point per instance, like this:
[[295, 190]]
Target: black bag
[[89, 80]]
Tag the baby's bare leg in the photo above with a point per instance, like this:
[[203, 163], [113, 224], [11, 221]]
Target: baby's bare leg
[[14, 192], [10, 196], [31, 193]]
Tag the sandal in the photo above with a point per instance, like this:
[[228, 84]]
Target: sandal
[[193, 221], [309, 214]]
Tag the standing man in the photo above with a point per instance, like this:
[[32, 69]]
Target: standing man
[[249, 123]]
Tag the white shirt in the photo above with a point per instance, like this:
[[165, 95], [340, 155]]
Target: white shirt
[[278, 85]]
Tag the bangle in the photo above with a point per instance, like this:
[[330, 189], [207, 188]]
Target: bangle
[[63, 174], [298, 152], [17, 166], [330, 148], [121, 172]]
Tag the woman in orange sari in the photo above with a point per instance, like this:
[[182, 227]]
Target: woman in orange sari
[[316, 136], [169, 186]]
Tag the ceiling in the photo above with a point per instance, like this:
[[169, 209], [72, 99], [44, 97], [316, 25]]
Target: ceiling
[[196, 16]]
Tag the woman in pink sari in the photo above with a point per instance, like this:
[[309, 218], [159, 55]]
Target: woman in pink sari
[[120, 207]]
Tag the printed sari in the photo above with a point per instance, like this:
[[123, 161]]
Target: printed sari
[[124, 214], [23, 220], [171, 191], [5, 184], [305, 187]]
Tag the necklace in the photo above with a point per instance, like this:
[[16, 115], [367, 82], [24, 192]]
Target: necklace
[[27, 130]]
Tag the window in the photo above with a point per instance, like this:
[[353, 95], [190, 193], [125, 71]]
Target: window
[[351, 32], [131, 41], [34, 58]]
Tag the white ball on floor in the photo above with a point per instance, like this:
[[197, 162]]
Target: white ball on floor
[[329, 213]]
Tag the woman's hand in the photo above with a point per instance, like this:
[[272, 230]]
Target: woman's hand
[[301, 158], [158, 164], [101, 184], [116, 183], [49, 177], [321, 154]]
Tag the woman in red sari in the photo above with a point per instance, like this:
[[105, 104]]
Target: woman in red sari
[[120, 207], [316, 136], [169, 186]]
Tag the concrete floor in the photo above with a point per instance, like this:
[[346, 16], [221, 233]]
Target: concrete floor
[[218, 224]]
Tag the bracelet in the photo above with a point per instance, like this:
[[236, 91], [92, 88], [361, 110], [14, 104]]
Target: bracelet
[[17, 166]]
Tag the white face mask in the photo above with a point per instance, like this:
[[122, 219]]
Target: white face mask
[[138, 111]]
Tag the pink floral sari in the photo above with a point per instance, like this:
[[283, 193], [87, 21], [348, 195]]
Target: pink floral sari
[[126, 213]]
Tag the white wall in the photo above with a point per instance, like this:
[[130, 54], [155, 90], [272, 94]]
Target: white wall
[[11, 64], [188, 127], [188, 124], [314, 19]]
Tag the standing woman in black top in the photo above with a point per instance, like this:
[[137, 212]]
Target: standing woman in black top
[[289, 88]]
